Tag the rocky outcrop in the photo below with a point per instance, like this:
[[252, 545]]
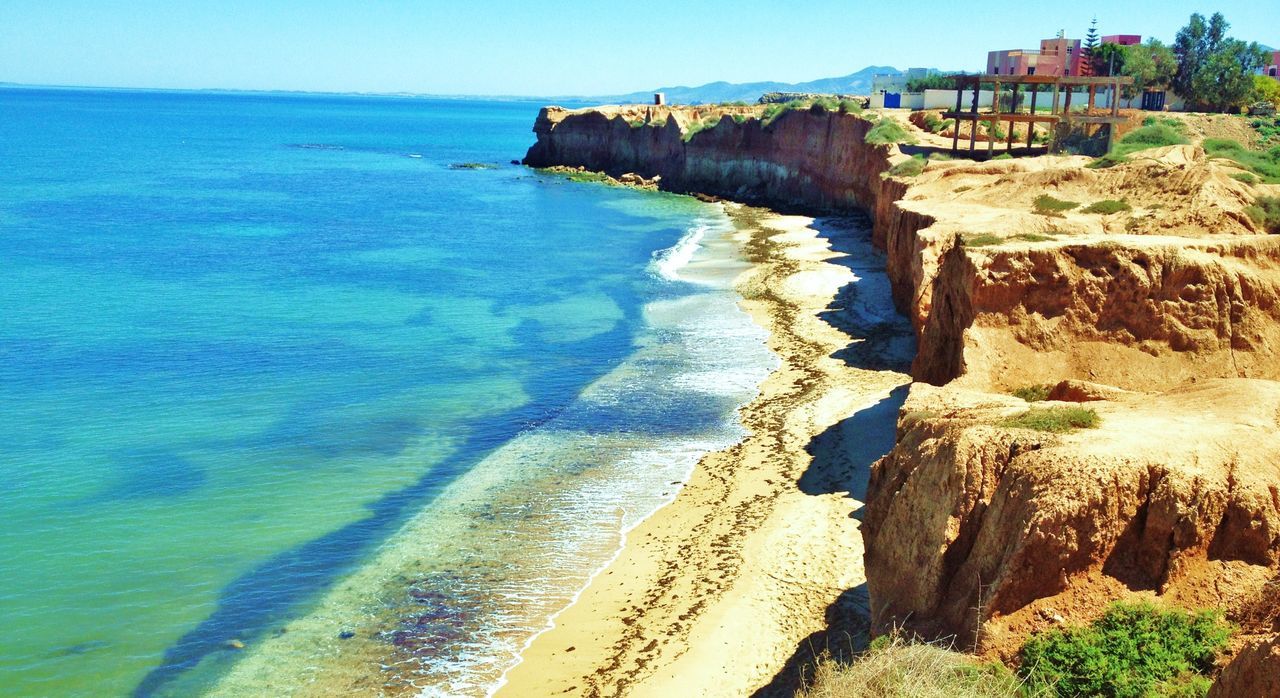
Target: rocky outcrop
[[1141, 315], [1160, 308], [811, 159], [1255, 671], [986, 532]]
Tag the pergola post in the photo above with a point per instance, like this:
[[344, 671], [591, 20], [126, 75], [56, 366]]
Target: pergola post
[[955, 135], [991, 128], [1093, 90], [1031, 125], [973, 109]]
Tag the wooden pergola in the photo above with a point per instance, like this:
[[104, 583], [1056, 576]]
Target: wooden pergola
[[1059, 112]]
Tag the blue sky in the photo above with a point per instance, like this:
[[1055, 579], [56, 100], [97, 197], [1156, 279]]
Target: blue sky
[[548, 47]]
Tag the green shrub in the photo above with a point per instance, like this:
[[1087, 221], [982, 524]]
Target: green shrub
[[1155, 135], [962, 189], [1033, 393], [981, 240], [773, 111], [1032, 237], [932, 122], [658, 123], [908, 168], [887, 132], [1003, 156], [697, 127], [1109, 160], [1107, 207], [1046, 205], [1132, 651], [740, 118], [850, 106], [635, 123], [1266, 212], [1245, 177], [1264, 164], [1056, 420]]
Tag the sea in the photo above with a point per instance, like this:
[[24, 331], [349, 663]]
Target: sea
[[322, 393]]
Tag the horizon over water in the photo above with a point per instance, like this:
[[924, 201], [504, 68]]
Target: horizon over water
[[292, 397]]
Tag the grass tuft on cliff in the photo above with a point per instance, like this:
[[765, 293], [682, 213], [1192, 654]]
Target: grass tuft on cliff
[[1046, 205], [1107, 207], [1134, 650], [1034, 393], [706, 124], [899, 668], [1266, 212], [1265, 164], [908, 168], [1154, 134], [1056, 420], [888, 132]]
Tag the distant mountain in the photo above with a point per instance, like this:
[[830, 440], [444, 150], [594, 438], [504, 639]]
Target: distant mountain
[[858, 83]]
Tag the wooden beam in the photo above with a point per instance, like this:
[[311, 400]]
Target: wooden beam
[[1092, 97]]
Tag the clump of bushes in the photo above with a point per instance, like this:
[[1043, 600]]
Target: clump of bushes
[[894, 666], [981, 240], [776, 109], [1154, 134], [1245, 177], [1134, 650], [1264, 164], [850, 106], [908, 168], [1033, 393], [1107, 207], [1046, 205], [1266, 212], [888, 132], [697, 127], [1056, 420]]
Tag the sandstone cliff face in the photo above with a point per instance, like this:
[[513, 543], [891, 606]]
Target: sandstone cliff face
[[1255, 671], [986, 532], [814, 159], [1145, 315]]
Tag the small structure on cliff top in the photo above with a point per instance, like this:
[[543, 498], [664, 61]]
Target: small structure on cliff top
[[1093, 129], [659, 99]]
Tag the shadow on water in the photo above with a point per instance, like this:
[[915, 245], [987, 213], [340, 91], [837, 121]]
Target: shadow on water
[[880, 340], [275, 591]]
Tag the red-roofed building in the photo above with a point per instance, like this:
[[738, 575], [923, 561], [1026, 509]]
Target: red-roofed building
[[1123, 39]]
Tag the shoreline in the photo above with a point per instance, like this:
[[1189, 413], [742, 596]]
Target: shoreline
[[714, 593]]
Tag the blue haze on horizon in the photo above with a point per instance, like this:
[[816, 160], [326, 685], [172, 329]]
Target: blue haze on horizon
[[506, 47]]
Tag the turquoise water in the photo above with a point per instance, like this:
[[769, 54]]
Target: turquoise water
[[275, 374]]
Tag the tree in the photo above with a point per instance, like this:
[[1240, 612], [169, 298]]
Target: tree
[[932, 82], [1265, 89], [1090, 45], [1214, 70], [1151, 65], [1108, 60]]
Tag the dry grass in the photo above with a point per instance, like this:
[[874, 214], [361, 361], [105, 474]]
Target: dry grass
[[901, 669]]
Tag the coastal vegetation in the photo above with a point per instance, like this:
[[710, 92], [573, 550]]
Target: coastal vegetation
[[1055, 420], [1264, 164], [908, 168], [1107, 207], [1033, 393], [704, 124], [1265, 211], [1046, 205], [894, 666], [888, 132], [1134, 650]]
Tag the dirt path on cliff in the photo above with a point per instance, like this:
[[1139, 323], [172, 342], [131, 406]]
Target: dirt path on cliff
[[715, 594]]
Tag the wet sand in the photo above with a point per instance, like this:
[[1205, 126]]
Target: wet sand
[[720, 592]]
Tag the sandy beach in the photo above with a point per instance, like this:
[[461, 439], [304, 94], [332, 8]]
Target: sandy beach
[[724, 591]]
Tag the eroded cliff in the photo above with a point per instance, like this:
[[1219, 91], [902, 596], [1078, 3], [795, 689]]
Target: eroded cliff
[[1147, 277]]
